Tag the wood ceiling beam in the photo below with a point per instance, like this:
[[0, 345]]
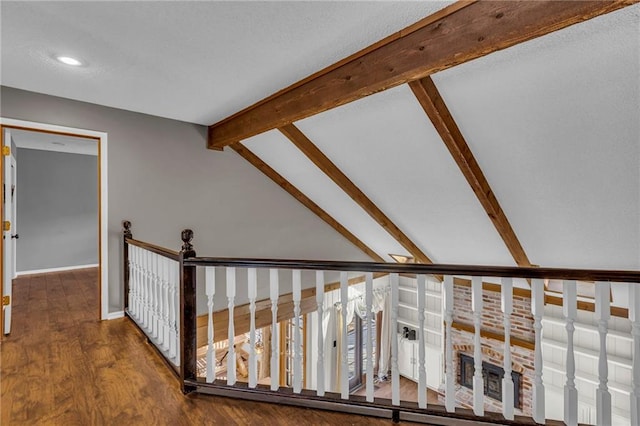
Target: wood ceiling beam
[[461, 32], [304, 200], [429, 98], [336, 175]]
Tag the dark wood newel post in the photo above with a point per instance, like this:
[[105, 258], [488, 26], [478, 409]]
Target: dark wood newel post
[[126, 233], [188, 313]]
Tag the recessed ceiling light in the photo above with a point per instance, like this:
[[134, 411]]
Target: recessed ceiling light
[[68, 60]]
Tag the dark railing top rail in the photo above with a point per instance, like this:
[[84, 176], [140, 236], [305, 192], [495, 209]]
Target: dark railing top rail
[[417, 268], [171, 254]]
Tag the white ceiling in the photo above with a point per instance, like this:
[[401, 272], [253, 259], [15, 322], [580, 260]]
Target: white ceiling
[[51, 142], [554, 123], [192, 61]]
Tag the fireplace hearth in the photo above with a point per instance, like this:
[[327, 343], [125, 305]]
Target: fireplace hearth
[[492, 376]]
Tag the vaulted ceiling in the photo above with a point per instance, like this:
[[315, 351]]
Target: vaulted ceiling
[[552, 123]]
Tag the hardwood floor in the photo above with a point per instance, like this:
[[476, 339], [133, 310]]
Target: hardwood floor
[[408, 391], [62, 366]]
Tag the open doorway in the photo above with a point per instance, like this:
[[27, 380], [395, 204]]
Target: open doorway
[[54, 205], [56, 202]]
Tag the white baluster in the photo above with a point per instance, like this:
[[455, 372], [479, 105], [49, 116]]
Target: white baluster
[[165, 303], [274, 291], [537, 310], [634, 317], [137, 306], [369, 343], [507, 380], [149, 286], [603, 313], [136, 302], [231, 356], [320, 303], [297, 337], [143, 284], [131, 277], [157, 284], [344, 366], [156, 296], [173, 312], [422, 372], [395, 372], [176, 308], [160, 284], [210, 290], [152, 314], [449, 379], [569, 309], [478, 382], [143, 291], [252, 291]]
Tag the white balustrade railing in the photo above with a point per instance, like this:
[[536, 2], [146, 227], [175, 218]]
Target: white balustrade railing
[[325, 358], [570, 311], [507, 381], [153, 299], [537, 310], [478, 380], [634, 316], [344, 366], [603, 313]]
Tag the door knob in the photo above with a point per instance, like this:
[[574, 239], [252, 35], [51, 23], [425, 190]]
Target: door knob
[[17, 236]]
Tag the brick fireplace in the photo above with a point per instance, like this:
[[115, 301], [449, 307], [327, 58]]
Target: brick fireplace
[[522, 348]]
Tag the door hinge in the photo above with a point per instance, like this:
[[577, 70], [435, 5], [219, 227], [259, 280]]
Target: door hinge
[[6, 150], [6, 300], [6, 225]]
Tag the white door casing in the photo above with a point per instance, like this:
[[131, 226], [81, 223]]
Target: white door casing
[[7, 230], [103, 194], [14, 224]]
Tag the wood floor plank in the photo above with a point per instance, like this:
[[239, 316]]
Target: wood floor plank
[[62, 366]]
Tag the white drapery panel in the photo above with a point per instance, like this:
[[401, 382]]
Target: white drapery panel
[[381, 302], [358, 306], [332, 327], [385, 338]]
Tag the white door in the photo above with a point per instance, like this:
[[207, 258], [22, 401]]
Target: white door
[[14, 214], [7, 231]]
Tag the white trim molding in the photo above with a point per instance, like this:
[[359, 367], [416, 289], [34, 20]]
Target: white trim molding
[[115, 315], [58, 269], [104, 217]]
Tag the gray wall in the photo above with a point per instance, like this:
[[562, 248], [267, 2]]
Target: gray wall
[[163, 179], [57, 209]]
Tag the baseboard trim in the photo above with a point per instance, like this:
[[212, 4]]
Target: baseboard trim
[[60, 269], [115, 315]]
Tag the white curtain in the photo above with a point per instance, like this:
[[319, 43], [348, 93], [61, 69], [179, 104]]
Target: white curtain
[[357, 303], [385, 338], [381, 301]]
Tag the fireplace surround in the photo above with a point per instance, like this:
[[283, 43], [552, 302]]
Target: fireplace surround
[[492, 376]]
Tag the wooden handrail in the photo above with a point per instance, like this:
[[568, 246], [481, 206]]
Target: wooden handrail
[[171, 254], [433, 269]]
